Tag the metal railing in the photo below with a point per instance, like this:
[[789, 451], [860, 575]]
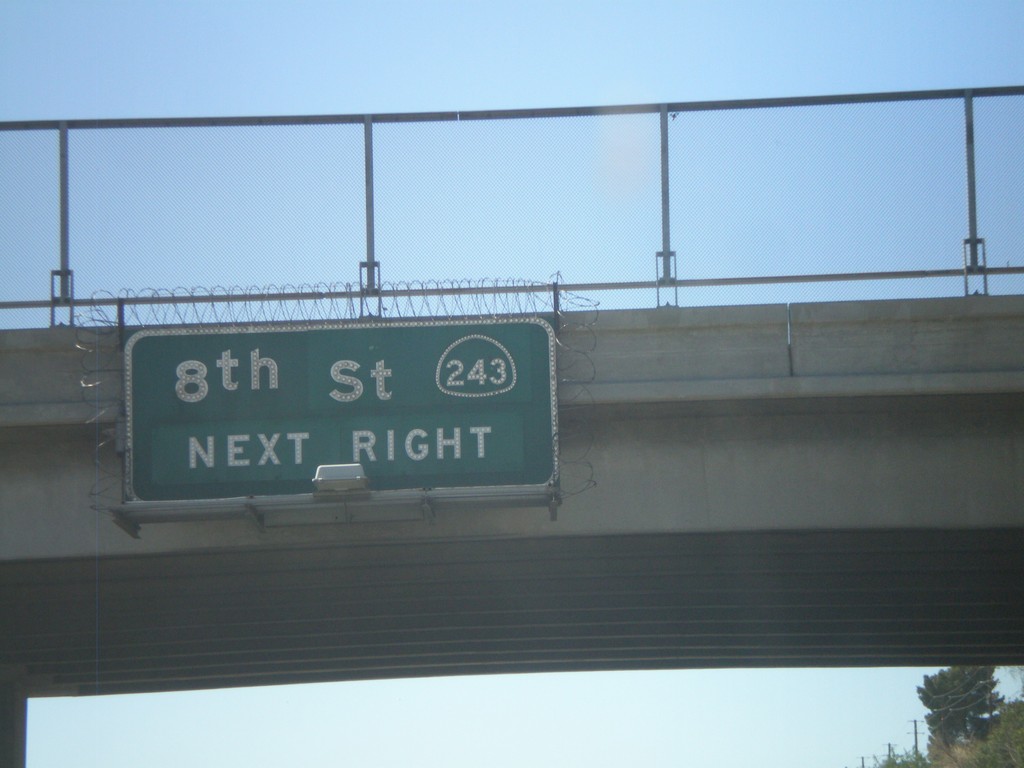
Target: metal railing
[[843, 160]]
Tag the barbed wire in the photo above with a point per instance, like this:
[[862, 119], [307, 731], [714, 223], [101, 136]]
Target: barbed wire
[[576, 341], [102, 388], [323, 302]]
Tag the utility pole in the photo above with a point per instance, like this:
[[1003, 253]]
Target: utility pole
[[917, 753]]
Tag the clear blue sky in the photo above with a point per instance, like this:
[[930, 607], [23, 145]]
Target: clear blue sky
[[89, 59], [85, 59]]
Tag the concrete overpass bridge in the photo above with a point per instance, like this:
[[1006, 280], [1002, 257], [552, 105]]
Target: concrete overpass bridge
[[805, 485]]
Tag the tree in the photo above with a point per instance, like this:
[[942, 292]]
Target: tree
[[1004, 748], [906, 760], [963, 705]]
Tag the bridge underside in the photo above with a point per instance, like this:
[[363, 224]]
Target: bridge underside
[[251, 617]]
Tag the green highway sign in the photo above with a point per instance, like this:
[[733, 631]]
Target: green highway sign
[[252, 411]]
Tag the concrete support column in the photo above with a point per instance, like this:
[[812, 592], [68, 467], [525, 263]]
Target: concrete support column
[[13, 721]]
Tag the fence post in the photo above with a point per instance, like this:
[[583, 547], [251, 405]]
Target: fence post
[[666, 256], [62, 293], [369, 272], [971, 263]]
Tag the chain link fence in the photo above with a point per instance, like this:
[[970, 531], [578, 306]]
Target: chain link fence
[[788, 200]]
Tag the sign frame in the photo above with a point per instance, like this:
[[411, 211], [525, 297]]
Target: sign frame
[[540, 381]]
